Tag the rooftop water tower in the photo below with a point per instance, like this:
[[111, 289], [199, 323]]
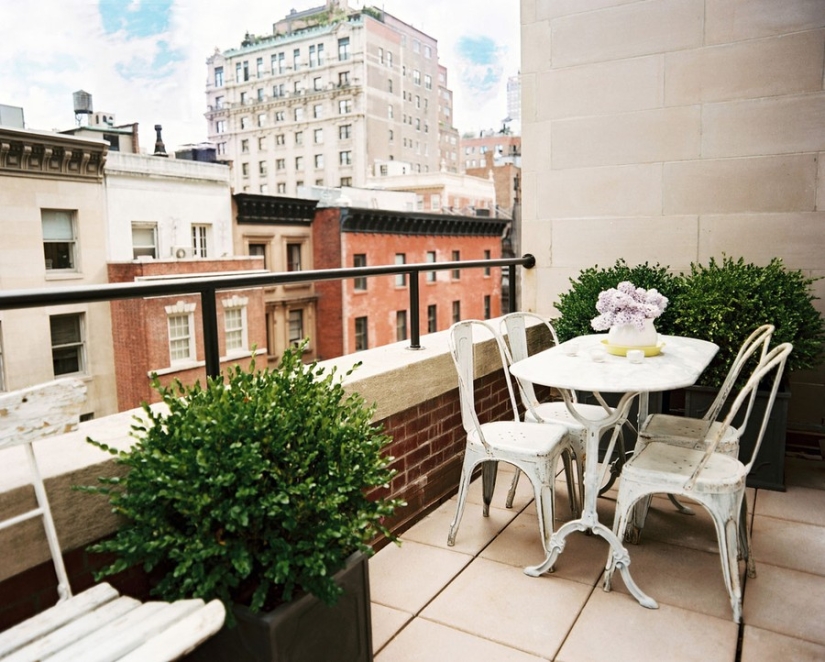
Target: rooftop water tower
[[82, 105]]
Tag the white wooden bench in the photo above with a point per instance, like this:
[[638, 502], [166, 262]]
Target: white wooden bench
[[99, 624]]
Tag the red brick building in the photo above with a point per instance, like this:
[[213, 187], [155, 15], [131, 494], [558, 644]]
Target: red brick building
[[164, 334], [355, 314]]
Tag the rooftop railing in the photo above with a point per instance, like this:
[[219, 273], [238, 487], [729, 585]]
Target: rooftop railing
[[208, 286]]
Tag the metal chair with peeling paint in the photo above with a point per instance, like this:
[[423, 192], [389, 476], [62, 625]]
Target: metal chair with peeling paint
[[99, 623], [532, 449], [714, 480]]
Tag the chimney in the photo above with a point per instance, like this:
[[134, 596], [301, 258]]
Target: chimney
[[160, 149]]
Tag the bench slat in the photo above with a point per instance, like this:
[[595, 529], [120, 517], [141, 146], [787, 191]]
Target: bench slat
[[55, 617]]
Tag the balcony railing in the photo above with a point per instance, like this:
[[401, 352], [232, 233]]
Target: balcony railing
[[207, 287]]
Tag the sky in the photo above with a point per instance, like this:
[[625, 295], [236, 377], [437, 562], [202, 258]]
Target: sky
[[145, 60]]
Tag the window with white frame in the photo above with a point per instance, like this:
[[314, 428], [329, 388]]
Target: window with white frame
[[296, 326], [181, 323], [261, 119], [299, 162], [343, 49], [218, 76], [281, 187], [359, 283], [345, 158], [361, 337], [318, 111], [68, 345], [318, 136], [280, 139], [144, 240], [400, 279], [428, 81], [319, 161], [245, 123], [262, 144], [280, 115], [299, 114], [389, 59], [344, 106], [299, 137], [258, 250], [235, 324], [345, 132], [200, 240], [431, 259], [59, 239], [280, 164]]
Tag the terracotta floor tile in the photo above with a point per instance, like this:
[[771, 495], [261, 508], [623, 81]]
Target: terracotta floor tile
[[799, 504], [386, 623], [500, 602], [764, 646], [424, 640], [789, 544], [789, 602], [614, 627], [408, 577]]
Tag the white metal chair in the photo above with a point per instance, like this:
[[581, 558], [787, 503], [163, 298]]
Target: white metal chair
[[715, 480], [515, 325], [97, 624], [533, 449]]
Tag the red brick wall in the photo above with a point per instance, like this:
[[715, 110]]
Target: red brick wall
[[326, 254], [140, 329]]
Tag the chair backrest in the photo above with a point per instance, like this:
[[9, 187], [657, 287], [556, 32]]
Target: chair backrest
[[26, 416], [759, 339], [773, 362], [462, 350], [515, 325]]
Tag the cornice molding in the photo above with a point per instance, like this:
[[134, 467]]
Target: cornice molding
[[377, 221], [27, 154], [268, 209]]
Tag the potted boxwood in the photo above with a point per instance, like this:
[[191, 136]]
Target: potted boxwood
[[723, 302], [260, 490]]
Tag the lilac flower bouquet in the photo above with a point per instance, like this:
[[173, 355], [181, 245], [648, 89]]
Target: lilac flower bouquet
[[627, 304]]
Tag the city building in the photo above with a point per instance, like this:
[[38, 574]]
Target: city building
[[321, 99], [514, 98], [375, 311], [448, 139], [487, 148]]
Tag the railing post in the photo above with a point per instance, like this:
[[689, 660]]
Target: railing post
[[212, 353], [415, 331], [511, 294]]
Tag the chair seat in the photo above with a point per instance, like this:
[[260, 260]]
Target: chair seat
[[669, 467], [690, 432], [558, 411], [98, 624], [521, 440]]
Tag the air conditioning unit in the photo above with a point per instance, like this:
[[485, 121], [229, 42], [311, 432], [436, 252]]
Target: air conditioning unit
[[181, 252]]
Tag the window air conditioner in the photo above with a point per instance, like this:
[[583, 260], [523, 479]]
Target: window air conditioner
[[181, 252]]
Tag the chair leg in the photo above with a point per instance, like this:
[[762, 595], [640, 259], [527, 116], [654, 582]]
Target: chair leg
[[745, 539], [620, 521], [511, 494], [545, 507], [489, 470], [572, 488], [463, 486], [725, 513]]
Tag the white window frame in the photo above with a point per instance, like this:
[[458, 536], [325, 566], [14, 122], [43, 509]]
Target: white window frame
[[181, 345], [201, 240], [295, 315], [59, 227], [144, 249], [236, 329], [78, 345]]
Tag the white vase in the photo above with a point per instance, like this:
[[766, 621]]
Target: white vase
[[628, 335]]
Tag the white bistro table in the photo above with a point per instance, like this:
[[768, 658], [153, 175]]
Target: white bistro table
[[679, 364]]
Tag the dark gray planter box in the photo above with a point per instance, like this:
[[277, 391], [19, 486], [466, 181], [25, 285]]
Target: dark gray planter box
[[304, 630], [768, 471]]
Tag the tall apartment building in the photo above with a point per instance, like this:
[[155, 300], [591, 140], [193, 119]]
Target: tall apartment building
[[322, 98]]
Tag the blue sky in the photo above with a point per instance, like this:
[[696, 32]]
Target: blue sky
[[144, 60]]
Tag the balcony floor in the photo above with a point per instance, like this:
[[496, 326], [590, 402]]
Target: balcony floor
[[473, 602]]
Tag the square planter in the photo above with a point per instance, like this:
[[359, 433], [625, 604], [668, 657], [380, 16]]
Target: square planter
[[768, 471], [304, 630]]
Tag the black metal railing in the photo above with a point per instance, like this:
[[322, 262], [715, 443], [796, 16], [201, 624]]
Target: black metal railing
[[208, 286]]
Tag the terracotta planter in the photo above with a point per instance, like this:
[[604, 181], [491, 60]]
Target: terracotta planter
[[304, 630]]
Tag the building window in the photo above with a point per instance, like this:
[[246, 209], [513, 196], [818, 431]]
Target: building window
[[222, 148], [220, 126], [299, 114], [180, 319], [59, 239], [258, 250], [296, 59], [456, 258], [280, 115], [299, 162], [346, 181], [360, 282], [319, 160], [345, 131], [261, 144], [218, 76], [259, 67], [389, 85], [280, 187], [245, 146], [296, 87], [278, 90], [343, 49], [389, 59], [400, 279], [199, 240], [68, 347], [401, 325], [144, 240], [361, 339], [280, 139], [317, 111], [299, 137], [389, 111], [218, 103], [432, 318], [487, 311], [435, 202], [431, 259], [244, 123], [345, 158], [428, 81], [380, 55], [344, 106], [316, 83], [296, 327], [392, 135], [456, 311], [280, 164], [293, 257], [235, 326], [261, 119], [343, 78], [313, 62], [262, 168], [486, 257], [416, 77], [245, 169], [318, 136]]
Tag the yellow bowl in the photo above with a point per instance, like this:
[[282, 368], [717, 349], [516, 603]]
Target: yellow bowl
[[620, 350]]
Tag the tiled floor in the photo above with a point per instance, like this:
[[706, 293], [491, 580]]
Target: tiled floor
[[473, 602]]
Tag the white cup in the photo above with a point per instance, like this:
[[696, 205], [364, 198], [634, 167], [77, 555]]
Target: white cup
[[635, 355], [571, 348], [598, 355]]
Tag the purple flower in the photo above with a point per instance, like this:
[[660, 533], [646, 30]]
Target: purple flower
[[627, 304]]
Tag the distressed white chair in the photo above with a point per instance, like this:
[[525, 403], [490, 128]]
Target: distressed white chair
[[533, 449], [714, 480], [698, 433], [515, 324], [97, 624]]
